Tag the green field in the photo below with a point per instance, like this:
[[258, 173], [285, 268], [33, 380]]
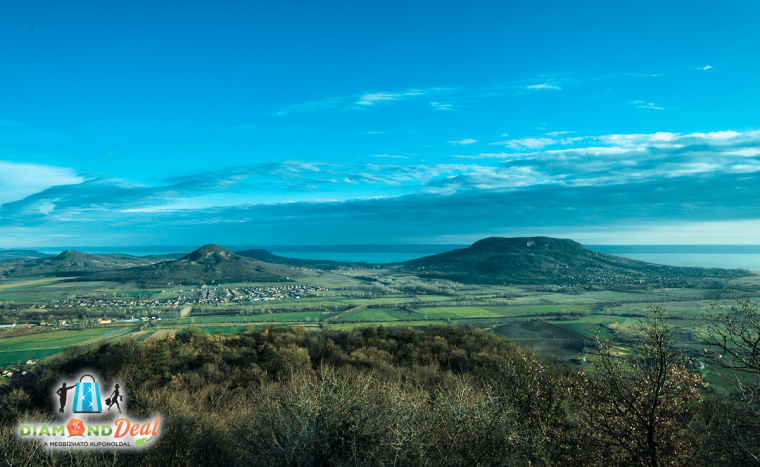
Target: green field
[[304, 316], [226, 329], [583, 328], [21, 356], [456, 312], [19, 349], [59, 339], [525, 314], [534, 329], [543, 337], [340, 326], [383, 314]]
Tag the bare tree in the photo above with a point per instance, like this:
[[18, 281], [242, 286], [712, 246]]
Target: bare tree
[[729, 425], [637, 406]]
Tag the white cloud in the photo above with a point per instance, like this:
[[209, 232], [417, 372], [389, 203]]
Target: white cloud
[[441, 106], [592, 161], [18, 181], [388, 156], [722, 135], [365, 100], [646, 105], [706, 67], [638, 139], [370, 99], [535, 143], [745, 152], [464, 142], [542, 86]]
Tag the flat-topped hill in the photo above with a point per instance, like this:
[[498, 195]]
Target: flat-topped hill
[[534, 260], [208, 264]]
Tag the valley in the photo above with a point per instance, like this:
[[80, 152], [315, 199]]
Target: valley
[[557, 316]]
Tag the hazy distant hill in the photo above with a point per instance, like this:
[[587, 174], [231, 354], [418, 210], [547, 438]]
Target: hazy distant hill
[[534, 260], [69, 263], [207, 265], [168, 257], [267, 257], [21, 254]]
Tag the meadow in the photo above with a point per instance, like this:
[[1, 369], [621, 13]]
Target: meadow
[[19, 349], [562, 323]]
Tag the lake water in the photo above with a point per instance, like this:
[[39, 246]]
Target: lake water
[[729, 261], [706, 256], [357, 256], [706, 260]]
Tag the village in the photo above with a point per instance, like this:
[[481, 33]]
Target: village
[[203, 295]]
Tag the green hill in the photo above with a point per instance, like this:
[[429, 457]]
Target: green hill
[[207, 265], [21, 255], [70, 263], [545, 260]]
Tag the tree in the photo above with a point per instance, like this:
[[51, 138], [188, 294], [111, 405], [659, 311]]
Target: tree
[[161, 362], [734, 332], [266, 358], [730, 424], [637, 407]]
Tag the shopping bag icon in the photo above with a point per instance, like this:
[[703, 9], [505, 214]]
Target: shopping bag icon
[[87, 396]]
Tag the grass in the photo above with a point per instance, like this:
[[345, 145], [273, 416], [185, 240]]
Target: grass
[[341, 326], [28, 283], [226, 329], [19, 349], [383, 315], [545, 338], [583, 328], [313, 316], [57, 339], [550, 335], [456, 312], [21, 356], [535, 330]]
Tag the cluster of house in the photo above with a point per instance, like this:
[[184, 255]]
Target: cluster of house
[[10, 373], [63, 322], [204, 294], [284, 292]]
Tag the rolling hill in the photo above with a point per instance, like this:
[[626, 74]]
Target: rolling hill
[[70, 263], [21, 255], [545, 260], [207, 265]]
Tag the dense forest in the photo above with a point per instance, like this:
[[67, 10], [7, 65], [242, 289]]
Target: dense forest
[[442, 396]]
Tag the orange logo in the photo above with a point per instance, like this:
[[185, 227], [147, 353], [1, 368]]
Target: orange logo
[[75, 427]]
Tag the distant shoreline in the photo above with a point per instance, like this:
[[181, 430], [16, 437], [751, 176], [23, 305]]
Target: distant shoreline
[[720, 256], [391, 248]]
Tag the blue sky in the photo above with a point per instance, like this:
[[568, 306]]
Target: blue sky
[[148, 123]]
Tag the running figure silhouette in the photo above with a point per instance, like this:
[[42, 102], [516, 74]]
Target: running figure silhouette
[[62, 395], [114, 399]]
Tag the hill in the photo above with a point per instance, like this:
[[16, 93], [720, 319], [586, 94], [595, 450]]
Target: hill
[[267, 257], [207, 265], [69, 263], [21, 254], [566, 263]]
